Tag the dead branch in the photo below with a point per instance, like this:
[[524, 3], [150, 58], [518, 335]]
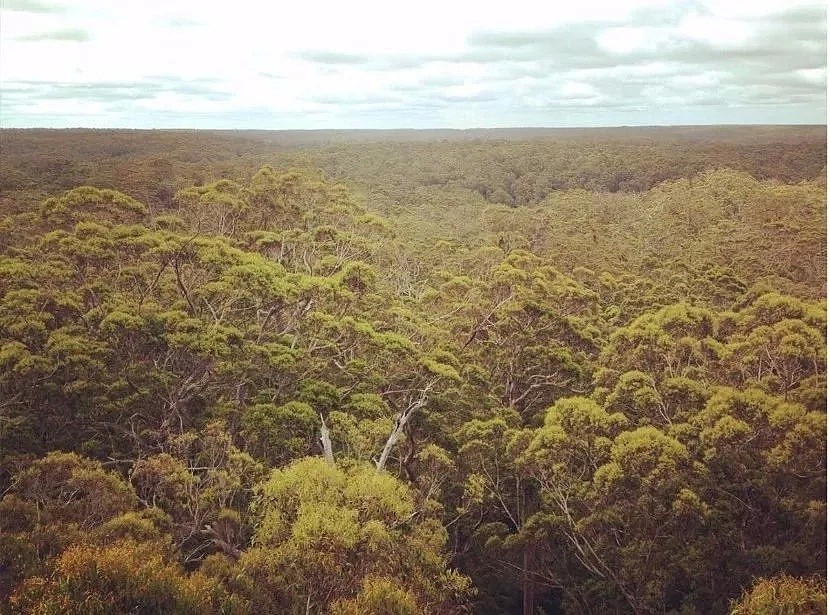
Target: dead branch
[[401, 420]]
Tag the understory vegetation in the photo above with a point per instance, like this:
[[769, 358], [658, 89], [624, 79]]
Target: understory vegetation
[[516, 374]]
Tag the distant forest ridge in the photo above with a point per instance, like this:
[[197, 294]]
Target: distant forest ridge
[[511, 166], [312, 137]]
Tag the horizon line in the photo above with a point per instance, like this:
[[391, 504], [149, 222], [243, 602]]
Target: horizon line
[[410, 129]]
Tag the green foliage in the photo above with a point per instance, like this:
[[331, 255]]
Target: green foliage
[[325, 534], [279, 433], [54, 502], [125, 577], [88, 204], [596, 372], [378, 596], [66, 488], [783, 594]]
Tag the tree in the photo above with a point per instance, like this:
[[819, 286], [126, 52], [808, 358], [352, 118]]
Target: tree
[[124, 577], [324, 534], [783, 594], [52, 503]]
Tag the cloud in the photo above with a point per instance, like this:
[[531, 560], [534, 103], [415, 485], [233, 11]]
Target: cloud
[[31, 6], [673, 57], [696, 60], [427, 83], [114, 91], [682, 55], [332, 57], [368, 61], [182, 22], [354, 99], [72, 35], [794, 37]]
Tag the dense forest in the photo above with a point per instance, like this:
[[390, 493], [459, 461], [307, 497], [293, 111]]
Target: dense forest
[[399, 372]]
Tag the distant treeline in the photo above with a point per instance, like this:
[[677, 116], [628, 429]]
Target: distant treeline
[[514, 166]]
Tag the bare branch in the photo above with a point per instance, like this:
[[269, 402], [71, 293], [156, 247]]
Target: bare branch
[[400, 422]]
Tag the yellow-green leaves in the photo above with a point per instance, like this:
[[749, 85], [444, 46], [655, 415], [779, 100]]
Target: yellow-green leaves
[[378, 596], [119, 578], [782, 594], [644, 457], [442, 363], [326, 532], [87, 204], [279, 434], [68, 488], [784, 436]]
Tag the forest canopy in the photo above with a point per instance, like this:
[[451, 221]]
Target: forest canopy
[[413, 372]]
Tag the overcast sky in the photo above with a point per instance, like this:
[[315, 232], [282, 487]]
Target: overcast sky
[[440, 64]]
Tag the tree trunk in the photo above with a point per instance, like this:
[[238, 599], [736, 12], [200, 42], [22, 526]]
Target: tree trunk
[[325, 440], [528, 594], [400, 423]]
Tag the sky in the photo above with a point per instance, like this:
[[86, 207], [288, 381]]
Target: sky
[[308, 64]]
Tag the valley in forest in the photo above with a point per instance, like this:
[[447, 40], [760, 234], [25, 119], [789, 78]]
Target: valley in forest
[[399, 372]]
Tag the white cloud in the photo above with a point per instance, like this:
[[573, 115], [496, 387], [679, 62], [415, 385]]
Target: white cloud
[[281, 63], [628, 40], [578, 90], [722, 32]]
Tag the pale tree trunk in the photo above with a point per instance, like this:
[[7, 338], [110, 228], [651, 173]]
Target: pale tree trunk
[[400, 422], [325, 440], [397, 430]]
